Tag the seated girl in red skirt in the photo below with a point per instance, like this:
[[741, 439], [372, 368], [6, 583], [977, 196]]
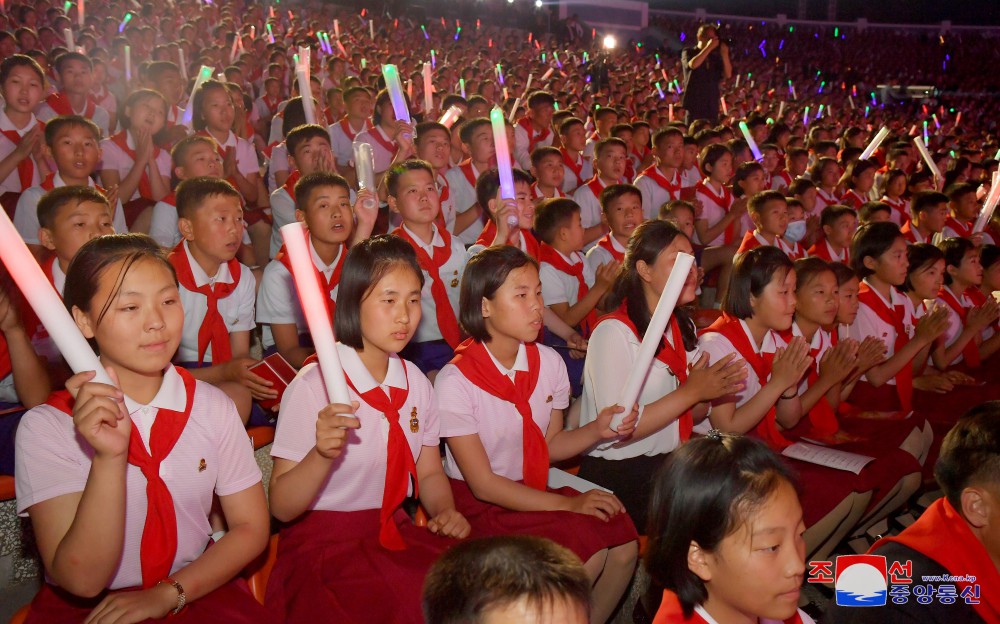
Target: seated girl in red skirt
[[895, 474], [726, 535], [119, 482], [349, 553], [760, 303], [502, 401]]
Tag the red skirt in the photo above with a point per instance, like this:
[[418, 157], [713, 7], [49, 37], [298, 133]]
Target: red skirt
[[9, 203], [231, 603], [330, 567], [583, 534], [134, 208], [821, 489]]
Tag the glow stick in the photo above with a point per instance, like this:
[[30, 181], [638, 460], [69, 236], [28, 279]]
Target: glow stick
[[391, 75], [233, 51], [434, 59], [850, 101], [548, 74], [513, 110], [450, 116], [409, 90], [340, 46], [958, 119], [336, 28], [80, 17], [989, 206], [725, 108], [428, 89], [203, 74], [527, 87], [270, 33], [128, 63], [660, 90], [315, 309], [500, 74], [876, 141], [654, 335], [925, 132], [364, 163], [781, 110], [791, 89], [926, 155], [371, 29], [461, 84], [44, 300], [124, 22], [68, 36], [670, 111], [182, 63], [555, 57], [937, 123], [503, 159], [305, 89], [749, 139]]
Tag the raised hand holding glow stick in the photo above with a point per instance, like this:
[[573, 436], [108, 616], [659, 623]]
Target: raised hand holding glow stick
[[926, 155], [428, 89], [503, 160], [450, 116], [204, 74], [654, 335], [876, 141], [315, 309], [749, 139], [364, 163], [45, 301], [392, 84], [989, 206], [302, 68]]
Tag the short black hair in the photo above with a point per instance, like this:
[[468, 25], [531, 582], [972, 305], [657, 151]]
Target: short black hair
[[954, 250], [868, 209], [489, 182], [958, 191], [465, 132], [970, 453], [540, 98], [64, 122], [988, 255], [832, 213], [800, 186], [539, 154], [476, 576], [604, 144], [758, 201], [567, 124], [612, 192], [307, 184], [181, 149], [304, 133], [552, 214], [664, 133], [919, 255], [58, 198], [191, 193], [871, 241], [925, 200], [394, 174], [367, 263], [66, 57], [20, 60], [424, 128], [753, 270], [484, 275]]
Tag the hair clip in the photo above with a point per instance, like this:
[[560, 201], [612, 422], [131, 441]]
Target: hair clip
[[715, 434]]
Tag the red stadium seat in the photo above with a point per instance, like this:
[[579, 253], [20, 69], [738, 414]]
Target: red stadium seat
[[259, 570]]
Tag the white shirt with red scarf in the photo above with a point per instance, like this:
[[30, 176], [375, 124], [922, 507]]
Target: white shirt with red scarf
[[656, 190], [527, 138]]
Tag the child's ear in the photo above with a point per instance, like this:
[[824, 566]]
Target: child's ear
[[83, 322], [869, 263], [491, 205], [644, 271], [393, 206], [186, 228], [698, 562], [534, 172], [827, 230], [292, 166], [466, 150], [485, 308], [755, 218], [300, 216], [48, 153], [46, 239], [976, 506]]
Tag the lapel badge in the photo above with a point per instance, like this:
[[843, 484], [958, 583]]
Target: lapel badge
[[202, 466], [414, 423]]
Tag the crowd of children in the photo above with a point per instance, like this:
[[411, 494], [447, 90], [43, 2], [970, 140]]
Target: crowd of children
[[836, 300]]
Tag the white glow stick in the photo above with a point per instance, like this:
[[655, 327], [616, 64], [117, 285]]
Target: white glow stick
[[235, 49], [654, 335], [670, 112], [316, 312], [68, 36], [44, 300], [428, 89], [503, 160], [876, 141], [305, 89], [725, 108], [781, 111], [548, 74], [749, 139], [371, 28], [989, 206], [336, 28], [364, 163], [392, 84], [182, 64], [450, 116], [850, 101], [926, 155], [203, 74], [128, 63]]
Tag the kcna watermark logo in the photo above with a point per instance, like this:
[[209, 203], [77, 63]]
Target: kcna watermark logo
[[868, 581]]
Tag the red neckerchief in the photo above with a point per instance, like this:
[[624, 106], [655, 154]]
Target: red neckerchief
[[640, 155], [963, 230], [596, 186], [25, 168], [446, 320], [570, 162], [326, 285], [533, 139], [59, 102], [551, 256], [899, 205], [272, 105], [749, 242], [537, 193], [170, 199], [173, 113], [943, 535], [400, 468], [387, 145], [49, 182], [977, 298], [654, 174], [48, 269], [221, 150], [145, 188], [477, 366], [467, 170], [490, 232], [821, 249], [5, 365], [829, 199], [213, 328], [159, 535], [911, 233], [725, 201], [671, 612], [852, 198], [289, 184], [894, 317], [345, 125], [761, 363], [970, 353], [822, 418], [785, 177], [605, 242], [673, 355], [444, 194]]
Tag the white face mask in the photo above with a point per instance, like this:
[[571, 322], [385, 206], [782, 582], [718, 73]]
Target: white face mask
[[796, 231]]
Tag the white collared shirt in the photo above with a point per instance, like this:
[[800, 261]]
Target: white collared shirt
[[12, 184], [560, 287], [113, 158], [26, 213]]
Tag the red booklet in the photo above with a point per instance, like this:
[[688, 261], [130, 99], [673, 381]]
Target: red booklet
[[278, 371]]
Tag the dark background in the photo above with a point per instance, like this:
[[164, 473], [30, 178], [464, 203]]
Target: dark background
[[973, 12]]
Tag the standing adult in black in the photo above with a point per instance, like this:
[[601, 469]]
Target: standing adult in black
[[704, 67]]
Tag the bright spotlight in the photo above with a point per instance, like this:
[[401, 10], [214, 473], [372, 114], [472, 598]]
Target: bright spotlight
[[538, 4], [610, 42]]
